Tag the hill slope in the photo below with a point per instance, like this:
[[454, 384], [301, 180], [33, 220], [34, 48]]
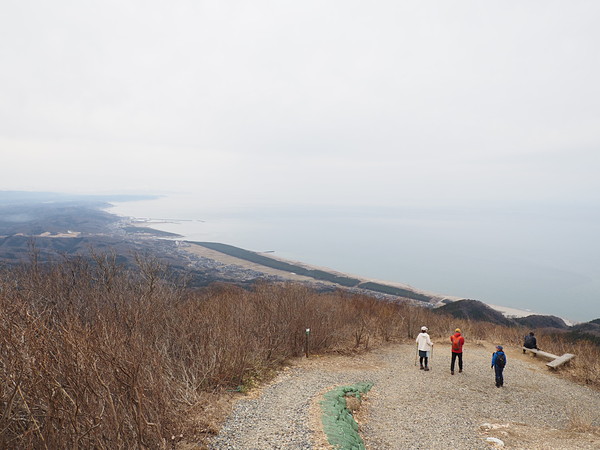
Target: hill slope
[[474, 310], [540, 321]]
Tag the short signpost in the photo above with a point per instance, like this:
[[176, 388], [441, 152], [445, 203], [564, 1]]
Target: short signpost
[[306, 342]]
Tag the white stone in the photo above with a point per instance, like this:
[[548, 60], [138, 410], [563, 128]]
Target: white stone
[[495, 441]]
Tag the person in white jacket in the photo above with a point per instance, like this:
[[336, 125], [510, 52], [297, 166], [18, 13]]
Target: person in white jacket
[[424, 345]]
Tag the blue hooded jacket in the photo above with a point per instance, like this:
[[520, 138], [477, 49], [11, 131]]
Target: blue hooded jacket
[[495, 355]]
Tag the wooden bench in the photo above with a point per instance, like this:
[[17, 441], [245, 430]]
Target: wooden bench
[[556, 361]]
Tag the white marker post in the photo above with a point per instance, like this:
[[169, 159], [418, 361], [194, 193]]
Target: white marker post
[[306, 342]]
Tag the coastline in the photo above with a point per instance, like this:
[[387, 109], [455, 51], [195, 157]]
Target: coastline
[[199, 251], [90, 223]]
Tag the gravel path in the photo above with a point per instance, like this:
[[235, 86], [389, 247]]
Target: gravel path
[[410, 408]]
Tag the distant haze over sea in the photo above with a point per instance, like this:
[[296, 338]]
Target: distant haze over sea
[[544, 258]]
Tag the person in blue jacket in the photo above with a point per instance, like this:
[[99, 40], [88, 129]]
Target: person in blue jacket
[[498, 364]]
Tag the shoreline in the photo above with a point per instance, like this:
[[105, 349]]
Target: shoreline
[[149, 223], [199, 250]]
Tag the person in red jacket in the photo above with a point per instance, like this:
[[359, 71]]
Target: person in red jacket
[[457, 350]]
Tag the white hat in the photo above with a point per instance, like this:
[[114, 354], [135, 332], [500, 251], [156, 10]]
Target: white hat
[[423, 328]]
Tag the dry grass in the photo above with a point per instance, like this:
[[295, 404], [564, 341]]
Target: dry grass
[[96, 356], [353, 403], [582, 421]]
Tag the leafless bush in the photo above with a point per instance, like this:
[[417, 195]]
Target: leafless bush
[[93, 355]]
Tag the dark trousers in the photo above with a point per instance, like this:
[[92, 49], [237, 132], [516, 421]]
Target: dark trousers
[[454, 356], [499, 376]]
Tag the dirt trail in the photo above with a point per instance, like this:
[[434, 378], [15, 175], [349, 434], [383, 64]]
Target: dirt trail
[[409, 408]]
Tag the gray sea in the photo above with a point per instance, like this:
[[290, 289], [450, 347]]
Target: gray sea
[[543, 258]]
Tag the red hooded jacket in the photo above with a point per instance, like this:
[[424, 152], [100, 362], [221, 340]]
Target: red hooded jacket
[[457, 342]]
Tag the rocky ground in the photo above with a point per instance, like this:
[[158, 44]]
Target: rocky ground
[[410, 408]]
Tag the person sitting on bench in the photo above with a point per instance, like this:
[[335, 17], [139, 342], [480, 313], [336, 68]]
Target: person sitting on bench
[[530, 342]]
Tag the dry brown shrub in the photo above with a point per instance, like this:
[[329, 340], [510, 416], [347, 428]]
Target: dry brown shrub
[[95, 355]]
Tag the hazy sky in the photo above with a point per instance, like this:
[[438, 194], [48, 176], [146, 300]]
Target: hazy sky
[[303, 102]]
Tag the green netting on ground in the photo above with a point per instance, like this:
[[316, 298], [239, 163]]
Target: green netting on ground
[[339, 425]]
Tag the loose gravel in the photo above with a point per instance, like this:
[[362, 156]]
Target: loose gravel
[[413, 409]]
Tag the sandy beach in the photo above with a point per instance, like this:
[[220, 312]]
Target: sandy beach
[[204, 252]]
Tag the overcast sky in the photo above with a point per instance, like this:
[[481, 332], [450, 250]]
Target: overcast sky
[[303, 102]]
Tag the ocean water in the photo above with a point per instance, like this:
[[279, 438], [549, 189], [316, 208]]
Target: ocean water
[[545, 259]]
